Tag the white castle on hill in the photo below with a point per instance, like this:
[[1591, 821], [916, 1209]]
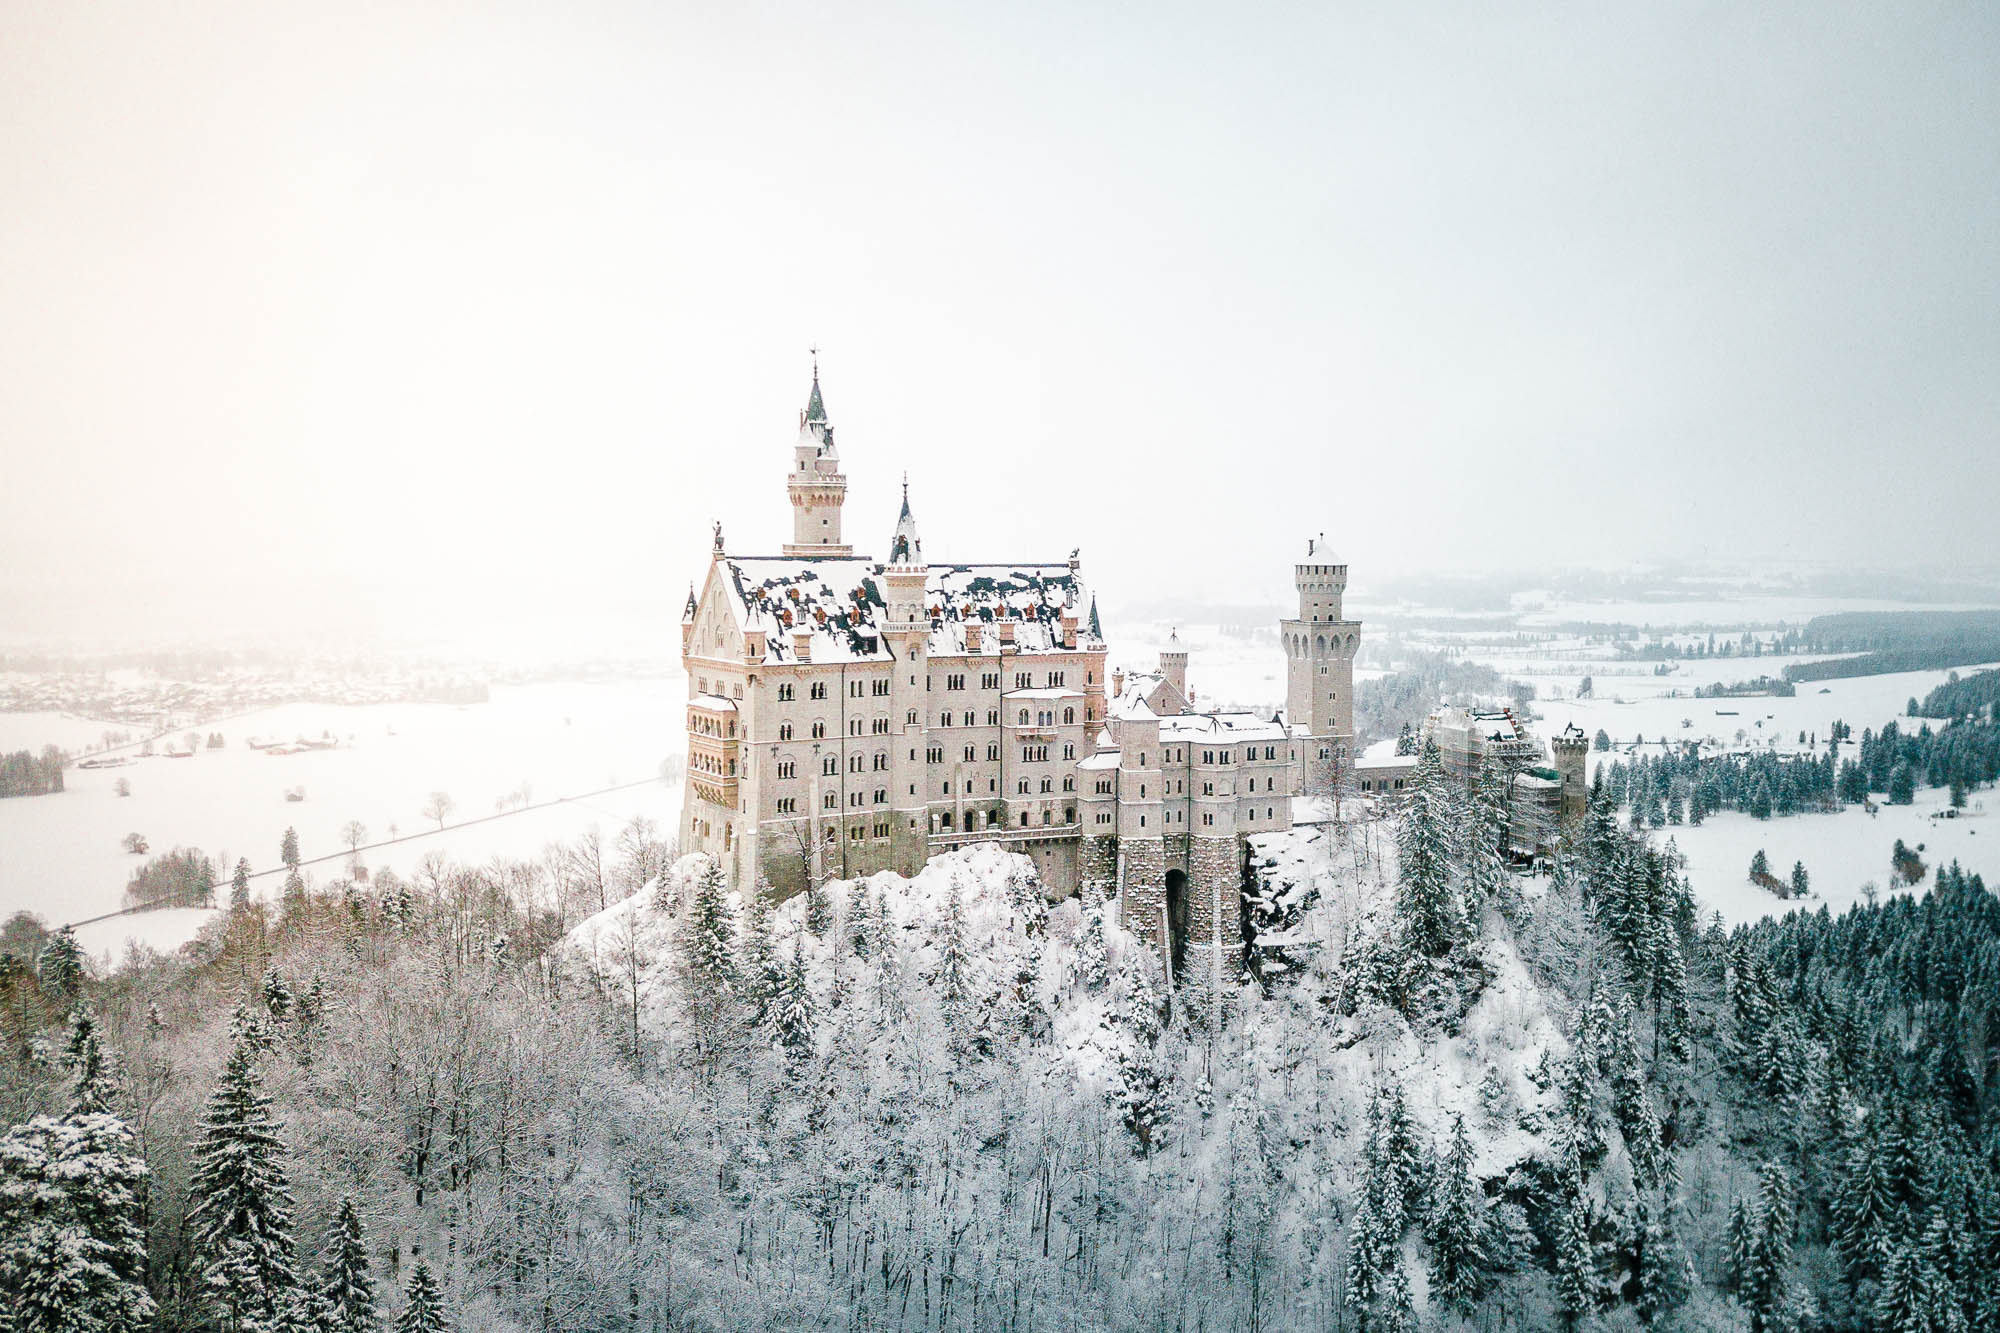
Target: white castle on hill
[[847, 715]]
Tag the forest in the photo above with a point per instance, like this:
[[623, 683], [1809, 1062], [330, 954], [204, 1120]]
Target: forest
[[23, 773], [472, 1099]]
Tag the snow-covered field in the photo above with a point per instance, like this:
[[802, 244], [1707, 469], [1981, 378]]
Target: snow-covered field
[[1842, 852], [60, 855]]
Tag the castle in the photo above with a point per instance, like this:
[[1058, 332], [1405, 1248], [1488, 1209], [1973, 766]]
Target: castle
[[847, 716]]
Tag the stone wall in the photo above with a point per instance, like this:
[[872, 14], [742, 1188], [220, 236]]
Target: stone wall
[[1143, 896], [1215, 887]]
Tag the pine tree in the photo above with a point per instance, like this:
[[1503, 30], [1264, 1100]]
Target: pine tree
[[1457, 1229], [1139, 1093], [954, 964], [1760, 864], [1430, 910], [241, 1214], [239, 884], [1765, 1284], [792, 1014], [1661, 1270], [349, 1289], [1801, 882], [708, 936], [856, 914], [1902, 785], [288, 850], [761, 971], [61, 968], [1577, 1282], [277, 995], [72, 1234], [1093, 954], [423, 1305], [819, 908]]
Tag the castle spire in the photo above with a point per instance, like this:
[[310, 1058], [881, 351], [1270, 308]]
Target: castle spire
[[815, 405], [1096, 629], [906, 548]]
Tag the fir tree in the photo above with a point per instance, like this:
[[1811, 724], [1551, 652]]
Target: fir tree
[[241, 1213], [72, 1234], [819, 908], [1093, 955], [1457, 1229], [1139, 1093], [792, 1014], [1801, 882], [423, 1305], [239, 885], [1430, 910], [277, 995], [708, 936], [349, 1289], [1760, 865], [1577, 1282], [61, 969], [288, 850]]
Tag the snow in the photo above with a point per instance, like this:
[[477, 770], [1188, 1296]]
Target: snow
[[60, 855], [1842, 852]]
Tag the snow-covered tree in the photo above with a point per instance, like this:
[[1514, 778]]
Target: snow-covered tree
[[72, 1234], [708, 936], [1457, 1228], [241, 1213], [1426, 898], [792, 1017], [349, 1289], [1093, 957], [423, 1304], [61, 967]]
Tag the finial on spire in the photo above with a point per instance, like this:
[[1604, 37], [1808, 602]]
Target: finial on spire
[[718, 536]]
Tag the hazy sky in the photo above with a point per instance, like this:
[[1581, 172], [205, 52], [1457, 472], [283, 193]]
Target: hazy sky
[[449, 311]]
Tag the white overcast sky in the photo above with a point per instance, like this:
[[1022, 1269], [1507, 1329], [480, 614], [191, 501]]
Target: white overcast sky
[[451, 311]]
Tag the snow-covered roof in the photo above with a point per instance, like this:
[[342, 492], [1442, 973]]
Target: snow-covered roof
[[1375, 763], [713, 701], [840, 603], [1102, 759], [1220, 727], [1054, 692]]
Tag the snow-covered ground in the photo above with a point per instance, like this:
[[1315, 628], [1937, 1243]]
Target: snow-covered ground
[[1842, 853], [60, 855]]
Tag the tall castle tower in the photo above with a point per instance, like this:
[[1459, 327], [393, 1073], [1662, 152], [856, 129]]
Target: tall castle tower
[[1319, 667], [1571, 750], [817, 486]]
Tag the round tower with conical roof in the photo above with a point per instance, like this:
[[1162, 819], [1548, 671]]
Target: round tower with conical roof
[[816, 486]]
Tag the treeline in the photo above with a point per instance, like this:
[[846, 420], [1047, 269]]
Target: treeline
[[1899, 641], [1686, 786], [26, 774], [1957, 700]]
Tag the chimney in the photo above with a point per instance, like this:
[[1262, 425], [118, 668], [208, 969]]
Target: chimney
[[1006, 634], [974, 635], [1069, 629], [802, 644], [1117, 682]]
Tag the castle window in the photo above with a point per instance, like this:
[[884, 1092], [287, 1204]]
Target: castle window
[[829, 801], [944, 718], [1208, 789], [989, 680], [1069, 749], [818, 690], [1208, 820], [1069, 784], [1069, 814], [1048, 816], [784, 731], [1021, 788], [881, 687], [881, 796], [787, 768], [1047, 786], [1142, 821], [787, 805], [934, 755], [829, 766], [971, 753], [1142, 791], [1055, 679], [992, 785], [854, 726], [1069, 716], [992, 717], [881, 760], [993, 750], [880, 726], [819, 730], [969, 718], [854, 763], [1024, 717], [786, 692], [947, 786], [1024, 819], [1021, 679], [955, 681], [912, 717], [944, 822]]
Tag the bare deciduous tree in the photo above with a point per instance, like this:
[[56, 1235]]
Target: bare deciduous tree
[[438, 805]]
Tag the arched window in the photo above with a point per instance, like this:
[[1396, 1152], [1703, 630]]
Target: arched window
[[1069, 716]]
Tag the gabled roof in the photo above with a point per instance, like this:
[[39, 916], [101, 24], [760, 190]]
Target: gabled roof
[[839, 602]]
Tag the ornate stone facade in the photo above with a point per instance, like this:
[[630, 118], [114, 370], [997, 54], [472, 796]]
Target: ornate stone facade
[[847, 716]]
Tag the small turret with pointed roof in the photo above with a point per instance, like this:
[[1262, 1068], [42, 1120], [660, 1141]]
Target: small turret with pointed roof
[[906, 548], [1096, 626]]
